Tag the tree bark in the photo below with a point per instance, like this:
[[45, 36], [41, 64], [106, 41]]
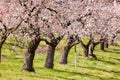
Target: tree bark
[[112, 42], [0, 54], [85, 47], [91, 49], [86, 51], [50, 57], [113, 39], [102, 45], [72, 41], [51, 49], [29, 55], [106, 44], [3, 39], [64, 56]]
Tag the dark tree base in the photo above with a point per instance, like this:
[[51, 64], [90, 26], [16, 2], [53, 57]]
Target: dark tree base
[[93, 56], [64, 62], [29, 70], [49, 67]]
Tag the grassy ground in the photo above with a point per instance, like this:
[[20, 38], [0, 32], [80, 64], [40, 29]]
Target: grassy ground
[[107, 67]]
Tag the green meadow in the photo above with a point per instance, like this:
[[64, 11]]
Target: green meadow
[[107, 67]]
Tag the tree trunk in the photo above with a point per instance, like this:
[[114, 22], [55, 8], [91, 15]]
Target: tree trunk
[[0, 53], [85, 47], [86, 51], [106, 44], [112, 42], [3, 39], [29, 55], [51, 49], [72, 41], [91, 50], [50, 57], [102, 45], [64, 56]]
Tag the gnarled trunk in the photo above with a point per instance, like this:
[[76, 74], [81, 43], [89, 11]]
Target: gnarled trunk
[[85, 47], [86, 51], [91, 50], [106, 44], [72, 41], [113, 39], [102, 45], [29, 55], [0, 53], [64, 56], [51, 49], [50, 57], [112, 42], [92, 47], [3, 39]]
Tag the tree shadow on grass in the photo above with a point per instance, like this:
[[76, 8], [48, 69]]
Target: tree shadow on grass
[[117, 51], [57, 76], [108, 62], [80, 74], [116, 59], [51, 76], [99, 77], [104, 70]]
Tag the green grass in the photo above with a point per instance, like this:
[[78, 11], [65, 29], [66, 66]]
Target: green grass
[[107, 67]]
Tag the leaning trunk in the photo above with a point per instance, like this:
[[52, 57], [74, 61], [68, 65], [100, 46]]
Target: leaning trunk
[[91, 50], [86, 51], [112, 42], [64, 56], [106, 44], [29, 55], [3, 39], [102, 45], [50, 57], [85, 47], [0, 53]]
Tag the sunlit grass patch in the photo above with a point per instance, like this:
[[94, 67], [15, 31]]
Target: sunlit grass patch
[[107, 67]]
